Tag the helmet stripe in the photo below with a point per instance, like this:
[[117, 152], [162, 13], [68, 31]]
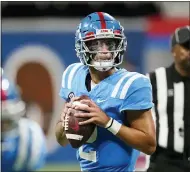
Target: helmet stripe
[[3, 95], [102, 20]]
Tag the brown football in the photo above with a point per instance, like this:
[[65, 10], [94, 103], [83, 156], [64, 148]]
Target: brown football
[[77, 134]]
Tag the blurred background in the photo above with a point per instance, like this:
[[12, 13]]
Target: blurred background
[[38, 44]]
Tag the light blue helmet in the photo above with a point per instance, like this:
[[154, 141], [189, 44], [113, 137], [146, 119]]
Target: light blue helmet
[[100, 25], [12, 107]]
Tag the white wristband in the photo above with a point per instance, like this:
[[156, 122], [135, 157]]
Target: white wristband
[[113, 126]]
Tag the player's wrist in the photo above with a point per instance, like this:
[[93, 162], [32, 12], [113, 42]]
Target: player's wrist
[[109, 123], [113, 126]]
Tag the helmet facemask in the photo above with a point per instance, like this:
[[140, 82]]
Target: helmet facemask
[[102, 53]]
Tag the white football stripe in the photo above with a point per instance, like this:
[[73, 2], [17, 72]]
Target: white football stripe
[[74, 136]]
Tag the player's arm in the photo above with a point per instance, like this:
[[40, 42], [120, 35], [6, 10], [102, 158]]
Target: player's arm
[[140, 133], [59, 129]]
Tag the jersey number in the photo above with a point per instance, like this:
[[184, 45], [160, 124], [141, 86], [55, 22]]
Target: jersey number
[[90, 156]]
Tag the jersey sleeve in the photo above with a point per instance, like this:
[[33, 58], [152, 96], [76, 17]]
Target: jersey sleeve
[[139, 94], [67, 78]]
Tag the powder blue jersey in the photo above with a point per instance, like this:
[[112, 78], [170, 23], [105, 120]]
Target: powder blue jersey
[[121, 91], [24, 149]]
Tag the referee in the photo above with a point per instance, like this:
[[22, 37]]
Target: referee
[[171, 95]]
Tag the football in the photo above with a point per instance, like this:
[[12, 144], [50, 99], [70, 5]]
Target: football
[[77, 134]]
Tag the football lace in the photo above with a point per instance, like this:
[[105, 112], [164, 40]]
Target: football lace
[[66, 122]]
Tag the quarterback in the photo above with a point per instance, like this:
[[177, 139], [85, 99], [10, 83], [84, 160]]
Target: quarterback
[[120, 101], [23, 144]]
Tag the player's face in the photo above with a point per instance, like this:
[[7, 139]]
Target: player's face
[[182, 56], [102, 49]]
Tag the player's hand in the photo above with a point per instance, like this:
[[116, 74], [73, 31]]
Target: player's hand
[[94, 113]]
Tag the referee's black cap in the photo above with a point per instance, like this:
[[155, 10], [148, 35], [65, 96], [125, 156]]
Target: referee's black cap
[[181, 36]]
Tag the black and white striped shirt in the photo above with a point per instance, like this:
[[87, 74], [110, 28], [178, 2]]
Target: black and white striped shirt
[[171, 96]]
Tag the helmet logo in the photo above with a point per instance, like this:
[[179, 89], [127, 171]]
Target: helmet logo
[[104, 31]]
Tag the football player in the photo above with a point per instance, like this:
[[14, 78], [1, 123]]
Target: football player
[[23, 144], [120, 104]]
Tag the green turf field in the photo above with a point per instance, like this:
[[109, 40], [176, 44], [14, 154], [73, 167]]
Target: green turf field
[[69, 167], [59, 167]]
